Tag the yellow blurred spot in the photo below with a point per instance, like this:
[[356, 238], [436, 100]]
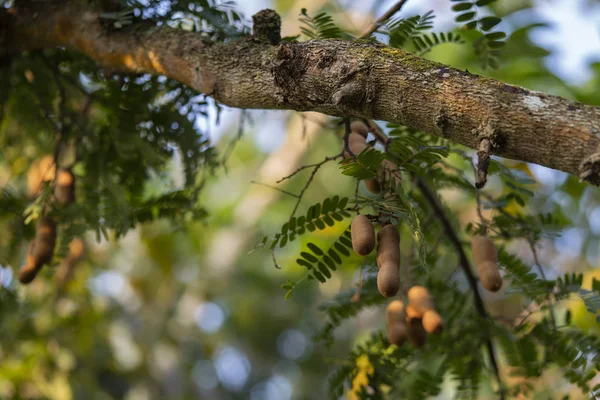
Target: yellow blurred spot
[[361, 379]]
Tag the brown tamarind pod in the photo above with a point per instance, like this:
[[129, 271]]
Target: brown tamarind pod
[[76, 250], [27, 273], [45, 240], [373, 185], [40, 171], [419, 299], [360, 128], [64, 191], [396, 323], [356, 143], [485, 256], [432, 322], [416, 333], [363, 235], [388, 261], [412, 313]]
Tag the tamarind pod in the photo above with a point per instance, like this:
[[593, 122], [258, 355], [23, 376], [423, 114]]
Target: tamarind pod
[[432, 322], [489, 275], [396, 323], [40, 171], [45, 239], [485, 256], [388, 248], [46, 226], [64, 191], [356, 143], [388, 280], [27, 273], [76, 250], [359, 128], [412, 313], [416, 333], [419, 299], [363, 235], [372, 185], [388, 261]]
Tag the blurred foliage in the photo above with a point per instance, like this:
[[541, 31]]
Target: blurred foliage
[[169, 301]]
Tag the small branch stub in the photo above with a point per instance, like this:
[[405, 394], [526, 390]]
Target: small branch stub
[[267, 26], [484, 153], [589, 170], [488, 141]]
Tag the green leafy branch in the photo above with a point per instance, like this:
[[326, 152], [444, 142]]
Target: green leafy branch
[[488, 44]]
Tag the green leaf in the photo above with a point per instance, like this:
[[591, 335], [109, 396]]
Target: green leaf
[[304, 263], [488, 23], [339, 247], [309, 257], [324, 270], [315, 249], [319, 276], [462, 7], [283, 241], [465, 17]]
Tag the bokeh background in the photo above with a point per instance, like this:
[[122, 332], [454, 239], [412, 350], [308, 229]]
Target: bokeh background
[[193, 313]]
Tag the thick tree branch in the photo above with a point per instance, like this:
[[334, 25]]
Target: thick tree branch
[[340, 78]]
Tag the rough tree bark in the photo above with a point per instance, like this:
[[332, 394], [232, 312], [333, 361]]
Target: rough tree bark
[[335, 77]]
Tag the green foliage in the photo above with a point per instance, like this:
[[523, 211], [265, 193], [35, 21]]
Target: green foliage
[[488, 44], [322, 263], [364, 166], [321, 26], [347, 304], [412, 30], [319, 216]]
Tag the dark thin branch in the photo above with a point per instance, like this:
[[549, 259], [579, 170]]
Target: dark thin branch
[[379, 134], [309, 181], [543, 275], [383, 19], [316, 165], [464, 262]]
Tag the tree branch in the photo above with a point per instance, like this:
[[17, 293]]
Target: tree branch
[[341, 78], [383, 19]]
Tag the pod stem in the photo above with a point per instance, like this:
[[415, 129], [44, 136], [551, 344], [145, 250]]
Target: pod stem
[[464, 262]]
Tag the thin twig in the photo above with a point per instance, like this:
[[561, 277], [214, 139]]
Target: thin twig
[[543, 275], [383, 19], [464, 262], [315, 165], [347, 150], [309, 181], [379, 134], [275, 188]]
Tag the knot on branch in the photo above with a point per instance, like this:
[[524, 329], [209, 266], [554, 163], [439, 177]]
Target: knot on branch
[[589, 170], [488, 141], [267, 26]]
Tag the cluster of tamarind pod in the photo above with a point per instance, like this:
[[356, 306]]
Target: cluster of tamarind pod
[[419, 318], [41, 248], [415, 321], [357, 142], [362, 232]]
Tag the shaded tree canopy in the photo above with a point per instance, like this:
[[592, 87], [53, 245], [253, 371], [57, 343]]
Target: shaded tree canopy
[[406, 224]]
